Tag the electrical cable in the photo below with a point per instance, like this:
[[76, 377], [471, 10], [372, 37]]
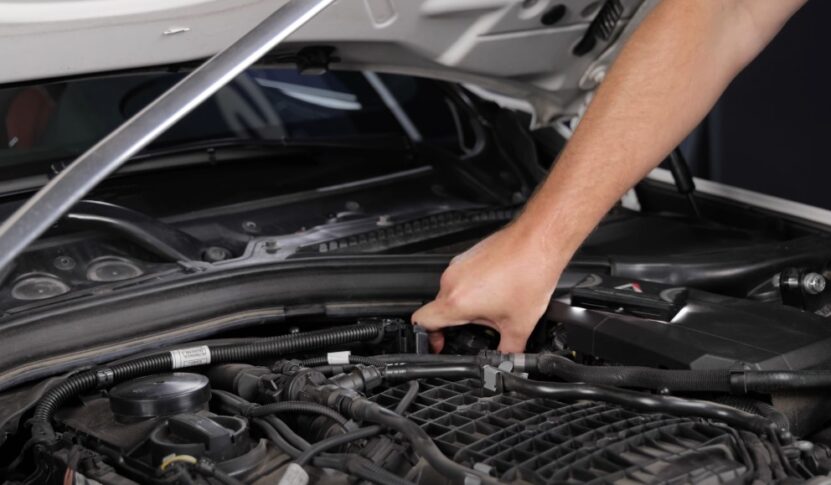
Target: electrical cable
[[42, 430]]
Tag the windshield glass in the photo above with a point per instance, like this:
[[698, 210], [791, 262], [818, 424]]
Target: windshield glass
[[55, 122]]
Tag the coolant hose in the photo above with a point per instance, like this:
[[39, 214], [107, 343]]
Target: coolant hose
[[721, 380], [297, 407], [638, 377], [394, 373], [361, 467], [42, 431], [362, 409], [640, 401]]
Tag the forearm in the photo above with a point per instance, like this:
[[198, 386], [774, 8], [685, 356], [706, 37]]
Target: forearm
[[666, 79]]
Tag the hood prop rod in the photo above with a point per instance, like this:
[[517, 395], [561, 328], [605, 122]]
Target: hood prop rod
[[55, 198]]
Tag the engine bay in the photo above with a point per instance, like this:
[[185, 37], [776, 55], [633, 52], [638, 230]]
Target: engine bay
[[624, 381]]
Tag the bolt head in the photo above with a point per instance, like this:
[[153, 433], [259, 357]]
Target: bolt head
[[813, 283]]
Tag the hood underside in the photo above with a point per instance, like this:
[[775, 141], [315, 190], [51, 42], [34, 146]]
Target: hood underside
[[520, 49]]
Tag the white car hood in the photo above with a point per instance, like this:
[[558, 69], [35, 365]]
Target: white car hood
[[499, 45]]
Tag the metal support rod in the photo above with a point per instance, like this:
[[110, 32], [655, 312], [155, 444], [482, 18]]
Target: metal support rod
[[61, 193]]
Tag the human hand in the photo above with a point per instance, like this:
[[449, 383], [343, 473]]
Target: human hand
[[505, 282]]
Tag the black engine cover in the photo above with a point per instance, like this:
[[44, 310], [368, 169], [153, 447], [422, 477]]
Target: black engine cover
[[705, 331], [543, 441]]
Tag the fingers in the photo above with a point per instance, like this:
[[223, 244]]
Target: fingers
[[435, 316], [510, 341], [436, 341]]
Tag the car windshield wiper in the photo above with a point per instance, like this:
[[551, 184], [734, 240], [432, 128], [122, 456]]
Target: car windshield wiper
[[73, 183]]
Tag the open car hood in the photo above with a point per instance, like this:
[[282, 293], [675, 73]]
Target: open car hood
[[520, 49]]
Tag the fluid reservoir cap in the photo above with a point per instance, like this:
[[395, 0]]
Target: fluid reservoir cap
[[160, 395]]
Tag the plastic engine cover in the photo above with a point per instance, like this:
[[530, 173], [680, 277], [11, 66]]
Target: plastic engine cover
[[704, 331], [543, 441]]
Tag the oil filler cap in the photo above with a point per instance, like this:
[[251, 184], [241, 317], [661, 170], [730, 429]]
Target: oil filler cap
[[160, 395]]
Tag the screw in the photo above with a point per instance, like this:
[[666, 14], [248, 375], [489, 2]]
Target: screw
[[250, 226], [64, 262], [216, 253], [813, 283], [271, 246]]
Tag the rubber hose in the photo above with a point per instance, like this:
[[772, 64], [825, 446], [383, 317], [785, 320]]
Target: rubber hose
[[42, 430], [360, 467], [276, 438], [638, 377], [366, 410], [238, 405], [721, 380], [298, 407], [407, 372], [408, 398], [761, 408], [640, 401], [767, 382], [288, 433], [337, 440]]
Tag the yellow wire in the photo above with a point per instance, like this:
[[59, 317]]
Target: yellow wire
[[171, 459]]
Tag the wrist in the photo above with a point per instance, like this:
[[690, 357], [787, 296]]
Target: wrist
[[533, 239]]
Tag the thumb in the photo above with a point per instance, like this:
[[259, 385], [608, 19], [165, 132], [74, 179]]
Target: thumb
[[435, 316]]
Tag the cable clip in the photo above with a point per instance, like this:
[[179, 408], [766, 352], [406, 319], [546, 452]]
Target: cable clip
[[104, 377]]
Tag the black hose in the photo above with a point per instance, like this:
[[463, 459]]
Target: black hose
[[363, 409], [360, 467], [42, 430], [754, 406], [298, 407], [237, 405], [357, 434], [407, 372], [638, 377], [285, 430], [276, 438], [337, 440], [766, 382], [721, 380], [640, 401], [408, 398]]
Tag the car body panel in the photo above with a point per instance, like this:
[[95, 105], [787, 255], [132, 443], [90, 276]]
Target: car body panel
[[503, 45]]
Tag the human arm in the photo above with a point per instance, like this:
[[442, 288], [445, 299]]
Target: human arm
[[665, 80]]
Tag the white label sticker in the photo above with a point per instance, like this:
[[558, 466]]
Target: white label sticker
[[191, 356], [338, 358]]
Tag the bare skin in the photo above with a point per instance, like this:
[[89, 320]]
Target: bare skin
[[666, 79]]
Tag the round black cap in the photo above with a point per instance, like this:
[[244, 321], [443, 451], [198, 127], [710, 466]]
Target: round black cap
[[160, 395]]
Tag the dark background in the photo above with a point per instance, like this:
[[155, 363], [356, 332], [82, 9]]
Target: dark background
[[769, 131]]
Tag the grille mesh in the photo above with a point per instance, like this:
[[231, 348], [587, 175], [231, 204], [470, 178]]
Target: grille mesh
[[545, 441]]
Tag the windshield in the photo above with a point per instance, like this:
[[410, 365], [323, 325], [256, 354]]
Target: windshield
[[46, 123]]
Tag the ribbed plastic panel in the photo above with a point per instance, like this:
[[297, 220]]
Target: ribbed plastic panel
[[545, 441]]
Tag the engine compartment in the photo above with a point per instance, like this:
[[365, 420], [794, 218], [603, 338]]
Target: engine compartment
[[588, 402]]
